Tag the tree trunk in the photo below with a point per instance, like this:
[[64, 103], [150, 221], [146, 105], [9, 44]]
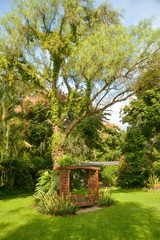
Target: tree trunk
[[57, 146]]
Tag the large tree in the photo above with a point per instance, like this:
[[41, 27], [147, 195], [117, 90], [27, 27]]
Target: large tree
[[79, 55]]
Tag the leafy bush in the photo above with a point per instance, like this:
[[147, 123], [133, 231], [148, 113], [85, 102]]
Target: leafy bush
[[134, 170], [156, 168], [68, 161], [108, 175], [105, 199], [52, 204], [48, 182], [15, 173]]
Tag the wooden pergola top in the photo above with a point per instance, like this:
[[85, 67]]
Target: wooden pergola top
[[98, 164], [78, 167]]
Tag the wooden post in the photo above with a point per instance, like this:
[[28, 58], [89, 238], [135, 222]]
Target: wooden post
[[64, 183], [97, 184]]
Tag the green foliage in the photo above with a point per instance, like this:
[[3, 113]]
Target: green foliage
[[143, 116], [76, 147], [134, 170], [89, 128], [16, 173], [21, 173], [33, 120], [48, 182], [84, 138], [68, 161], [110, 144], [105, 199], [135, 141], [77, 178], [156, 168], [144, 113], [25, 148], [47, 46], [27, 143], [135, 166], [52, 204], [108, 175]]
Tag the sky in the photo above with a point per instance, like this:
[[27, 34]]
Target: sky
[[134, 11]]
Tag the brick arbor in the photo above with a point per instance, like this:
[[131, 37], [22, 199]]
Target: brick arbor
[[91, 174]]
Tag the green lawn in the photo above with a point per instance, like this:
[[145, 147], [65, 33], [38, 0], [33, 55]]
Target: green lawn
[[136, 216]]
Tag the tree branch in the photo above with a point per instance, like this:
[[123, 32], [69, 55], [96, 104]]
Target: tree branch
[[110, 104], [74, 122], [102, 89]]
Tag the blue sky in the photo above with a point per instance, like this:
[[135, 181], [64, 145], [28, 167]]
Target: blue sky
[[4, 6], [134, 11]]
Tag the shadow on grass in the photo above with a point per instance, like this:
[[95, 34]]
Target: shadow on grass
[[23, 195], [126, 221]]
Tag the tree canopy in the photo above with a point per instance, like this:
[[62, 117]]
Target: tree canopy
[[78, 55]]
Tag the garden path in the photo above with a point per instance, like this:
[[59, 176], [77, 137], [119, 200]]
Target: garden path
[[90, 209]]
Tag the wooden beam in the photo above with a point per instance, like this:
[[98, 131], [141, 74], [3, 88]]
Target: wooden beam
[[78, 167]]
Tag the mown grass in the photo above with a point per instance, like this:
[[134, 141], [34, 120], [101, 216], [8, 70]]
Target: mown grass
[[136, 216]]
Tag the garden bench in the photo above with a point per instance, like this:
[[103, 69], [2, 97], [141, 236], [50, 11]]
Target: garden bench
[[81, 200]]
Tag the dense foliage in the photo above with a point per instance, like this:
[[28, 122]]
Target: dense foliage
[[72, 53], [134, 170], [63, 64], [108, 175], [91, 139], [144, 114], [142, 143], [48, 182], [53, 205], [156, 168], [110, 144], [28, 150]]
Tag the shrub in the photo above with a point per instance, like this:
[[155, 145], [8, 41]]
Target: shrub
[[134, 170], [52, 204], [48, 182], [108, 175], [156, 168], [105, 199], [15, 173]]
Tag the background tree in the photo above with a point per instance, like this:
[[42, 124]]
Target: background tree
[[142, 145], [143, 113], [109, 146], [73, 47], [28, 150], [10, 133]]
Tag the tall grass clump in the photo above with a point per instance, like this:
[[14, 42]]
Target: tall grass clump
[[105, 199]]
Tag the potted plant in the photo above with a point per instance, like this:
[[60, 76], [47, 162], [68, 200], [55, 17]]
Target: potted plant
[[153, 182]]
